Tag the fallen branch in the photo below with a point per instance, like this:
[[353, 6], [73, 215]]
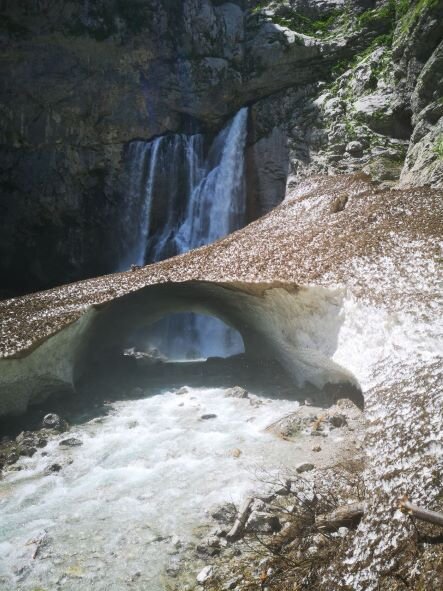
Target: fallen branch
[[242, 517], [409, 508], [346, 516]]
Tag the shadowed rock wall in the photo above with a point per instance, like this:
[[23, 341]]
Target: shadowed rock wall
[[343, 86]]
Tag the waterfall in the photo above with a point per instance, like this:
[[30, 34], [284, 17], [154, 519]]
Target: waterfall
[[217, 204], [179, 199]]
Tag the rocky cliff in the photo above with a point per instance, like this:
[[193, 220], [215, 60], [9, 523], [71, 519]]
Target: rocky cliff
[[334, 86]]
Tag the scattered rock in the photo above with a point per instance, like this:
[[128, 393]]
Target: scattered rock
[[210, 546], [338, 205], [41, 442], [232, 583], [262, 522], [283, 490], [258, 505], [208, 416], [71, 442], [225, 513], [354, 148], [25, 450], [173, 567], [53, 421], [316, 448], [236, 453], [304, 467], [205, 574], [337, 421], [219, 532]]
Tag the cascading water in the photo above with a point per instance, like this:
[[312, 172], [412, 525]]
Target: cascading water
[[179, 200]]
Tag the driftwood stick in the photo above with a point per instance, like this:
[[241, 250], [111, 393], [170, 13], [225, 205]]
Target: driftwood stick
[[409, 508], [242, 517], [345, 516]]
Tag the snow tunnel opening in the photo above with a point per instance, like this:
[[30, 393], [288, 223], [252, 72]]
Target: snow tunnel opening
[[280, 331], [186, 336]]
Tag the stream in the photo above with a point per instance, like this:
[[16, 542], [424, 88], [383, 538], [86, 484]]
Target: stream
[[134, 495]]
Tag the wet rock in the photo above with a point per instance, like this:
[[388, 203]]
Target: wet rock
[[28, 451], [304, 467], [338, 421], [54, 468], [11, 458], [208, 416], [236, 392], [71, 442], [262, 522], [205, 574], [354, 148], [182, 390], [53, 421]]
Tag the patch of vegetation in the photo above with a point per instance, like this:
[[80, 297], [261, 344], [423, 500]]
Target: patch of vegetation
[[384, 16], [300, 23], [407, 15], [438, 148]]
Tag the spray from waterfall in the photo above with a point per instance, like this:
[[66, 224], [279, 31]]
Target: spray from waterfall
[[180, 199]]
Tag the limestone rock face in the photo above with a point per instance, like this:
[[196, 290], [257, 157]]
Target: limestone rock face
[[79, 81], [82, 80]]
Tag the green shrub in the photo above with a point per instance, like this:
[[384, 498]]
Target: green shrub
[[438, 148]]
